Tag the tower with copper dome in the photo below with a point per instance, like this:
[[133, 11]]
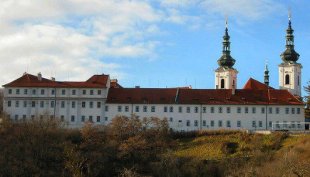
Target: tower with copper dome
[[225, 74], [290, 69]]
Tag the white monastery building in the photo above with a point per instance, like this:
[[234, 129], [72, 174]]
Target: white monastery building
[[256, 106]]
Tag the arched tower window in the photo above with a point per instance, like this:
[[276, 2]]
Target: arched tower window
[[287, 79], [222, 83]]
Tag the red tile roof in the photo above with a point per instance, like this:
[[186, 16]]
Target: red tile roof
[[28, 80], [142, 95], [254, 95], [254, 84]]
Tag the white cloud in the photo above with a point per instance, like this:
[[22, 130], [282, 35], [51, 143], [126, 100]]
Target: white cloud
[[72, 38]]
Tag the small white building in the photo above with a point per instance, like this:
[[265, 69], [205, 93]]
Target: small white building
[[73, 102]]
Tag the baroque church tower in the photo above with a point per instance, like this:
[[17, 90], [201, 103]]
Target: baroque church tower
[[289, 69], [225, 74]]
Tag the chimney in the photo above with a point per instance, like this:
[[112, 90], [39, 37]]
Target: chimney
[[39, 76], [53, 78], [137, 86]]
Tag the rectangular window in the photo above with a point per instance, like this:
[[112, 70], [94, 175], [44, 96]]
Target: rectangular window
[[33, 104], [42, 104], [9, 103], [293, 110], [196, 123], [16, 117], [126, 108], [170, 119], [220, 123], [90, 118], [228, 123], [63, 91], [119, 108], [84, 92], [212, 109], [153, 109], [106, 108], [83, 119], [17, 91], [98, 104], [72, 118], [277, 110], [137, 109], [83, 104], [62, 104], [25, 91], [91, 104], [98, 118], [287, 110], [171, 109], [188, 123], [33, 92], [25, 104], [165, 109], [188, 109], [24, 117], [263, 110], [246, 110], [73, 92], [32, 117], [254, 124], [253, 110], [180, 109], [53, 92], [228, 110], [106, 118], [212, 123], [238, 123], [98, 92], [73, 104], [196, 109], [52, 104], [238, 109], [270, 124], [298, 110], [16, 104], [62, 118], [277, 124], [10, 91], [260, 123], [91, 92], [204, 109], [42, 92], [220, 109], [204, 123], [144, 108], [270, 110], [284, 124]]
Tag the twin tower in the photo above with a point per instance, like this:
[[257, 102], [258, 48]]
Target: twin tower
[[289, 69]]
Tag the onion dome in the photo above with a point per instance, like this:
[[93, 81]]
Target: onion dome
[[226, 60], [289, 55]]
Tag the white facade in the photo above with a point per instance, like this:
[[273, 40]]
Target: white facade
[[72, 105], [290, 77], [226, 78], [214, 117]]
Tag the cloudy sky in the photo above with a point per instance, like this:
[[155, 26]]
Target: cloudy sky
[[151, 43]]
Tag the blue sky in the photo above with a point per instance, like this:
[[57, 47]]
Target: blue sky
[[149, 43]]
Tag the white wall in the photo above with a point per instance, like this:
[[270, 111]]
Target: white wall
[[179, 120], [294, 71]]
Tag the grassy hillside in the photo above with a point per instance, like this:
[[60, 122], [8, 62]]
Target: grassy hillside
[[241, 154]]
